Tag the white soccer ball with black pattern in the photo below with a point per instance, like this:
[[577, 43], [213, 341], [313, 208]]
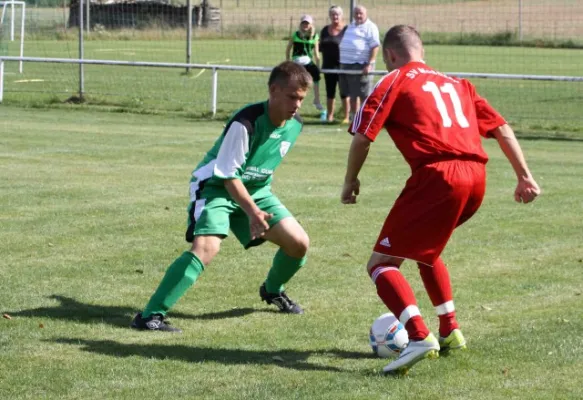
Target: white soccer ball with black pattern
[[388, 336]]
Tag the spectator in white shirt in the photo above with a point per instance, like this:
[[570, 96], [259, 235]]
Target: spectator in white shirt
[[358, 52]]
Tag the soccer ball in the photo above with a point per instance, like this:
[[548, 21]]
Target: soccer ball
[[388, 336]]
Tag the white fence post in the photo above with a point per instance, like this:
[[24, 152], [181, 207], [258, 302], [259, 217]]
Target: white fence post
[[12, 22], [23, 14], [1, 80], [81, 54], [214, 91], [12, 4]]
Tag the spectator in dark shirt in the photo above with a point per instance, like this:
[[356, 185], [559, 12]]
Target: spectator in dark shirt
[[330, 38]]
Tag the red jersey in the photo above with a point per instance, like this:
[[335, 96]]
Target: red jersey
[[430, 116]]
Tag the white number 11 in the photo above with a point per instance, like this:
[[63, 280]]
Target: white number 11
[[447, 88]]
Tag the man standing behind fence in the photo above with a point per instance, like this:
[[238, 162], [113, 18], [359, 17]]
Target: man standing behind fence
[[358, 52]]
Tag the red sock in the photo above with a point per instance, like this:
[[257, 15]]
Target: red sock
[[438, 286], [395, 292]]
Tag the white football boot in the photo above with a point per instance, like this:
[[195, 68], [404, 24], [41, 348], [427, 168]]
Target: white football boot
[[415, 351]]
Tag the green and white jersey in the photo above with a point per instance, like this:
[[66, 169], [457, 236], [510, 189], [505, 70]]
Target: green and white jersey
[[250, 149], [303, 48]]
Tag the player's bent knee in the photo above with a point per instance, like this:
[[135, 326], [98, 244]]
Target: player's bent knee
[[289, 235], [304, 245], [298, 246], [206, 248], [368, 269], [378, 258]]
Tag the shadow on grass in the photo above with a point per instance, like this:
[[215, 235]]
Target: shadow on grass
[[72, 310], [285, 358]]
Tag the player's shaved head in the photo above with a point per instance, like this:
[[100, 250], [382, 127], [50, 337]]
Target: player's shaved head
[[404, 40]]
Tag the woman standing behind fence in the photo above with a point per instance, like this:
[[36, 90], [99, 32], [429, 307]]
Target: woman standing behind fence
[[330, 39], [303, 46]]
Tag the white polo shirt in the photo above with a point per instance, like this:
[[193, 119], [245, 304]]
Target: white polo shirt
[[358, 41]]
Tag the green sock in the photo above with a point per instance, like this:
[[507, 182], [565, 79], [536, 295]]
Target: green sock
[[284, 267], [178, 278]]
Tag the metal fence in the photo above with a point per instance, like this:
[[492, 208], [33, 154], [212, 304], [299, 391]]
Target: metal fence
[[496, 38]]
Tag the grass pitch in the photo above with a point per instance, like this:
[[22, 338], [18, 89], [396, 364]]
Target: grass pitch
[[93, 210]]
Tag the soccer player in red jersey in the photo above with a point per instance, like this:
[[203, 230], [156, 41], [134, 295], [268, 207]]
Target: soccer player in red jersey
[[437, 123]]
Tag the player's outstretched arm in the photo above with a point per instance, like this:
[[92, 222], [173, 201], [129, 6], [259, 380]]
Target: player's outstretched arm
[[257, 218], [356, 157], [527, 189]]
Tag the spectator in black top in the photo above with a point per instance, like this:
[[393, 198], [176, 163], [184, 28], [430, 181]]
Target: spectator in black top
[[330, 38]]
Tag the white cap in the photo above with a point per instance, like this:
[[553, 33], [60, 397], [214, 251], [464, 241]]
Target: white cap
[[307, 18]]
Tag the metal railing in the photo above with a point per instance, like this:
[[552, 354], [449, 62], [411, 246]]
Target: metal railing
[[216, 67]]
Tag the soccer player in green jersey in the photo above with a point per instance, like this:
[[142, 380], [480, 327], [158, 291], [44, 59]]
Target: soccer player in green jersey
[[231, 189]]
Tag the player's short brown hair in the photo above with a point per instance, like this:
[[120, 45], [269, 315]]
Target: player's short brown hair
[[290, 73], [402, 39]]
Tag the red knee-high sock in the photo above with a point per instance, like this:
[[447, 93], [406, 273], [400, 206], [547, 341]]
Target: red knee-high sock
[[438, 286], [394, 290]]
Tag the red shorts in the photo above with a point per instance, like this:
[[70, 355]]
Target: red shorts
[[436, 199]]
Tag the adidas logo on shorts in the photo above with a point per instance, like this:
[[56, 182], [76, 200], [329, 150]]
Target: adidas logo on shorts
[[385, 242]]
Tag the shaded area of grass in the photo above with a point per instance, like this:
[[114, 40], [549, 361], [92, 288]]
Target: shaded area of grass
[[70, 309], [285, 358]]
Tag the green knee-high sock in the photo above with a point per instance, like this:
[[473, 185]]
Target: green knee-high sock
[[179, 277], [284, 267]]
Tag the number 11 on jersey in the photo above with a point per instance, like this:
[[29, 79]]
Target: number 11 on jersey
[[449, 89]]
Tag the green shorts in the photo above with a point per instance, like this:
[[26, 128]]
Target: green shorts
[[216, 215]]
